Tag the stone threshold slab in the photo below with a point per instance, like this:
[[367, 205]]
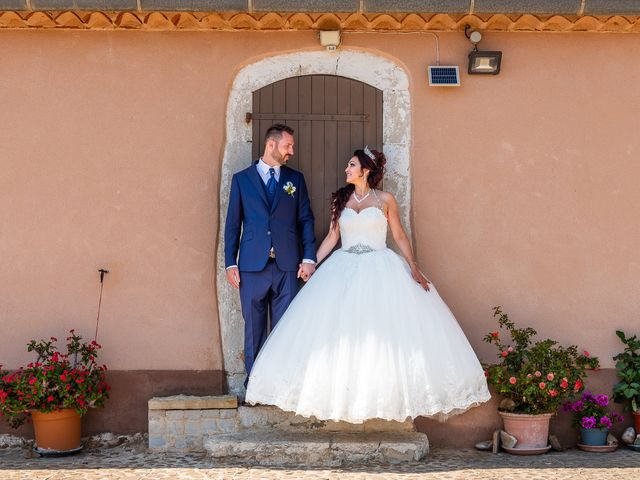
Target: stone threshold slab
[[317, 448], [189, 402], [262, 417]]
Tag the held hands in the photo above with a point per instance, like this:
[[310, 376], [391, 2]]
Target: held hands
[[306, 270], [233, 277], [419, 277]]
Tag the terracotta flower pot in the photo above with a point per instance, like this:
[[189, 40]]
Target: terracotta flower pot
[[58, 431], [532, 431]]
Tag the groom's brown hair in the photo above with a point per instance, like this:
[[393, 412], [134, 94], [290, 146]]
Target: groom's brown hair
[[275, 132]]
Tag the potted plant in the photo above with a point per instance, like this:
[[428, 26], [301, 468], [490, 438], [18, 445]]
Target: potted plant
[[55, 390], [628, 369], [534, 379], [592, 416]]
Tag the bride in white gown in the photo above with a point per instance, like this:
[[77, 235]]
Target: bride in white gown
[[368, 336]]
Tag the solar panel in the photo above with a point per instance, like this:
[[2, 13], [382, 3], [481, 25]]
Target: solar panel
[[444, 76]]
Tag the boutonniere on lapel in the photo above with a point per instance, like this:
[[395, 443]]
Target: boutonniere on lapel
[[289, 188]]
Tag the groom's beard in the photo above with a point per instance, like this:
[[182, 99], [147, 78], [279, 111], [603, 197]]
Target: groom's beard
[[278, 157]]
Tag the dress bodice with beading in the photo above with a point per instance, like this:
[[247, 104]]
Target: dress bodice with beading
[[363, 231]]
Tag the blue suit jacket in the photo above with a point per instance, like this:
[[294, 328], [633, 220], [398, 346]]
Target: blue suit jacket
[[252, 227]]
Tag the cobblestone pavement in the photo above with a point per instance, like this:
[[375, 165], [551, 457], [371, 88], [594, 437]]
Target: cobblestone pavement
[[131, 462]]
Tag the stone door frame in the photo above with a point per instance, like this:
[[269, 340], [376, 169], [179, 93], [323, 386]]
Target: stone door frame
[[375, 70]]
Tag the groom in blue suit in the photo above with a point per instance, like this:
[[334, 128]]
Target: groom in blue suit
[[268, 239]]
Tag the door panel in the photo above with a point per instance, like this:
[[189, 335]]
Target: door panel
[[332, 116]]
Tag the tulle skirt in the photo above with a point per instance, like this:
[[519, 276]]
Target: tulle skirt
[[363, 340]]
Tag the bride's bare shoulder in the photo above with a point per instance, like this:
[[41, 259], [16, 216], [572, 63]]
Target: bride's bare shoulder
[[386, 197]]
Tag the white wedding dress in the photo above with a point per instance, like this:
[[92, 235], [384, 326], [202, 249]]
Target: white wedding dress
[[363, 340]]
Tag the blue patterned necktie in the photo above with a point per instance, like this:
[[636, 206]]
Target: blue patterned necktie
[[271, 185]]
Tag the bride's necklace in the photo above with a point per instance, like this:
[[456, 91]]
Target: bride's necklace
[[360, 200]]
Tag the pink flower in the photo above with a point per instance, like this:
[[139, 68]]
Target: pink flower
[[529, 375], [542, 384], [564, 383], [586, 354], [550, 376], [495, 334], [505, 353], [553, 393], [537, 373], [510, 349], [513, 380]]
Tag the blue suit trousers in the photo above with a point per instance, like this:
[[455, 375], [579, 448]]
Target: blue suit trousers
[[263, 295]]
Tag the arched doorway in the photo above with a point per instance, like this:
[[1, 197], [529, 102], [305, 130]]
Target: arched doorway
[[331, 116], [374, 70]]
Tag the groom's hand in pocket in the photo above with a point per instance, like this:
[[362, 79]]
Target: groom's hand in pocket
[[233, 277]]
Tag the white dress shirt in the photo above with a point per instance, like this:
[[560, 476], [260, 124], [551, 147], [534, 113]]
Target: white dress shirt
[[263, 170]]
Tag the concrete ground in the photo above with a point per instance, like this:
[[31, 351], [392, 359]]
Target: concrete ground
[[132, 461]]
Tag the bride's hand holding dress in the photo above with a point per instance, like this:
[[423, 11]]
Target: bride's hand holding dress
[[400, 237]]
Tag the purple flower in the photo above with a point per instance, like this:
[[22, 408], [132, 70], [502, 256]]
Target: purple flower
[[602, 400], [605, 422], [587, 397], [588, 422], [577, 406], [617, 416]]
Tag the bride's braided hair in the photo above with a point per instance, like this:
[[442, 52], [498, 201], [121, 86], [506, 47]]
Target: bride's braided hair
[[340, 197]]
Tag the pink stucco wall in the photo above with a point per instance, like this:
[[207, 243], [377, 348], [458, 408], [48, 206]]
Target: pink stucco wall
[[524, 184]]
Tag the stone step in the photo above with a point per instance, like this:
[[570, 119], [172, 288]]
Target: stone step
[[193, 402], [320, 448], [265, 416], [182, 423]]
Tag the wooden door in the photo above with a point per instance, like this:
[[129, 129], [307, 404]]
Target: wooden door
[[332, 116]]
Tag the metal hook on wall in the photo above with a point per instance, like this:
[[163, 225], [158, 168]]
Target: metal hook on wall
[[102, 272]]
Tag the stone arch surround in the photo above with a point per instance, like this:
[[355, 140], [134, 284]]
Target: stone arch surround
[[375, 70]]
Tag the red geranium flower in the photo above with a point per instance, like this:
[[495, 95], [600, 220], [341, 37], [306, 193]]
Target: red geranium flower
[[70, 379]]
